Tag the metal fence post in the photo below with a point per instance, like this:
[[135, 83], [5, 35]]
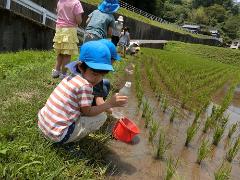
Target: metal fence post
[[44, 16], [8, 4]]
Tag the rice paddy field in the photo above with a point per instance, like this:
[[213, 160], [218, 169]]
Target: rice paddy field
[[184, 100]]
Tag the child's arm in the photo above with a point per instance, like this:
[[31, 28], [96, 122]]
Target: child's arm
[[79, 19], [114, 101], [99, 101]]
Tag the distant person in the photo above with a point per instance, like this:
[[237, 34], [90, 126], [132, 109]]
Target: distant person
[[101, 21], [117, 30], [69, 16], [68, 114], [124, 40], [133, 48]]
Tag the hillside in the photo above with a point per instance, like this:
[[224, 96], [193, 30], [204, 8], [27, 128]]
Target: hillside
[[222, 15]]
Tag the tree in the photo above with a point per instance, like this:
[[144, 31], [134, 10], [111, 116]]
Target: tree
[[232, 27], [216, 14], [198, 16]]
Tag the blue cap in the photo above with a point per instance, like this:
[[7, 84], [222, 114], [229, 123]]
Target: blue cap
[[109, 6], [96, 55], [112, 48]]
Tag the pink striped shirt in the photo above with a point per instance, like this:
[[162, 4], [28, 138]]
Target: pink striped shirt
[[63, 106]]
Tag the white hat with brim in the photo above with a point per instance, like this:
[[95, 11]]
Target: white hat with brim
[[120, 18]]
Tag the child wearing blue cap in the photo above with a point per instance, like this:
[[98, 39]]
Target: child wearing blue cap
[[101, 90], [101, 21], [68, 114]]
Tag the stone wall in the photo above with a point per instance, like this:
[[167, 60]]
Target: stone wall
[[18, 33]]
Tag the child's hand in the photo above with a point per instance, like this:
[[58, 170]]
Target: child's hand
[[117, 101]]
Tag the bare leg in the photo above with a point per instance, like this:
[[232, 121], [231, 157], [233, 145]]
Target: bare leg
[[66, 60], [59, 62], [124, 51]]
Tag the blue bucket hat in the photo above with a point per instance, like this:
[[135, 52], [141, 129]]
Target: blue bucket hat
[[112, 48], [109, 6], [96, 55]]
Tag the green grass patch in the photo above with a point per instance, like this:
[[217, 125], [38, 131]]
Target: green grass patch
[[26, 83]]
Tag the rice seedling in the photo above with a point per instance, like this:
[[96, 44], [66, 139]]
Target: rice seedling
[[213, 110], [208, 124], [146, 106], [153, 130], [223, 172], [164, 104], [171, 168], [173, 114], [203, 151], [148, 117], [205, 106], [218, 133], [191, 132], [232, 152], [197, 114], [232, 130], [162, 146]]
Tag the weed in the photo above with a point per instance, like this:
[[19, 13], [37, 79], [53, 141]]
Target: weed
[[191, 132], [223, 172], [171, 168], [232, 152], [203, 151], [232, 130]]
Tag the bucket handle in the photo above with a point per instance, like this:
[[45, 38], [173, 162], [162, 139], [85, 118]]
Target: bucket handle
[[121, 121]]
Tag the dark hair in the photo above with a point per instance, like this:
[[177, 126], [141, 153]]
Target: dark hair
[[125, 29], [84, 67]]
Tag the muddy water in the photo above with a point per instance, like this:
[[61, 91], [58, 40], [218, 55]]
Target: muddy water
[[137, 161]]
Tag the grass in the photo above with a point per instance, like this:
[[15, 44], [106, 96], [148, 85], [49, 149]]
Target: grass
[[26, 84]]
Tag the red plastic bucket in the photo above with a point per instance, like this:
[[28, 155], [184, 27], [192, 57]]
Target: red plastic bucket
[[125, 130]]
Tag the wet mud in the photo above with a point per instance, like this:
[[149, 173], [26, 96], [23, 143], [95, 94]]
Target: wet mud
[[137, 160]]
